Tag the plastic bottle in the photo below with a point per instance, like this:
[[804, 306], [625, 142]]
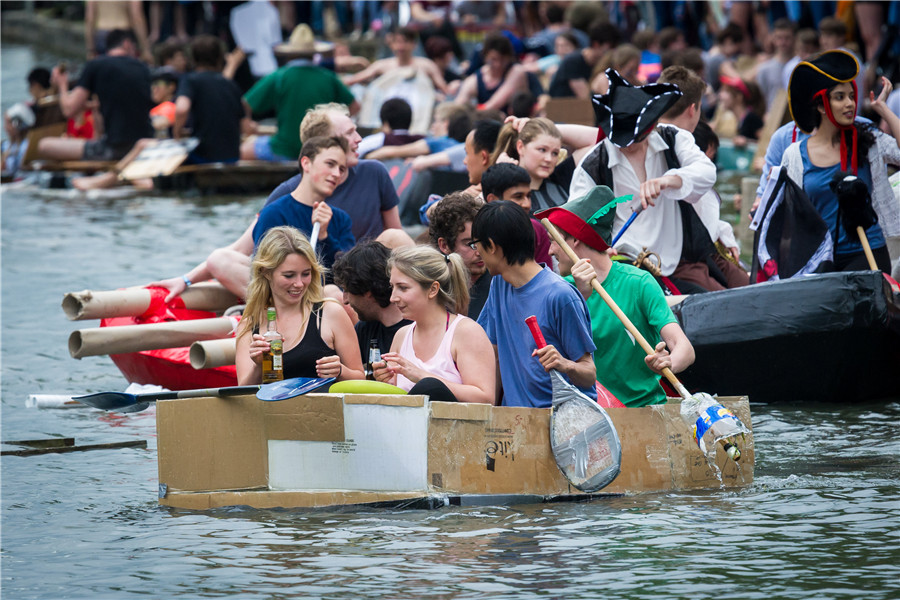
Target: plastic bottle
[[272, 367], [374, 357], [710, 423]]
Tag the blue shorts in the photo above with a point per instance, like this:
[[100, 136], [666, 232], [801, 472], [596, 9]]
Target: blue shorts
[[263, 152]]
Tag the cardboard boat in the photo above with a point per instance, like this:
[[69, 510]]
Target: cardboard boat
[[328, 450], [825, 338]]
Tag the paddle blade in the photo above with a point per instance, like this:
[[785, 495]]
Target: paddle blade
[[120, 401], [289, 388], [583, 438]]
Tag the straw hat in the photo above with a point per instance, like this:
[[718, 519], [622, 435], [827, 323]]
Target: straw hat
[[302, 44], [588, 219], [809, 77], [626, 112]]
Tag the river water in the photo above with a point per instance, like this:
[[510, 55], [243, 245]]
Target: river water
[[820, 521]]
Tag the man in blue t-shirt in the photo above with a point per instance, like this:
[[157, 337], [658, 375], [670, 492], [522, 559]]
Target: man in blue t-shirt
[[324, 164], [503, 235]]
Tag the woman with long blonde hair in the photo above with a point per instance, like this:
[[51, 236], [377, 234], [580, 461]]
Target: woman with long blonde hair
[[319, 340], [443, 353]]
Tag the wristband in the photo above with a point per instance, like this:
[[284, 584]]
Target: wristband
[[187, 282]]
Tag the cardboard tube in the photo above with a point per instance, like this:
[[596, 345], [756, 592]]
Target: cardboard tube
[[154, 336], [132, 302], [209, 354]]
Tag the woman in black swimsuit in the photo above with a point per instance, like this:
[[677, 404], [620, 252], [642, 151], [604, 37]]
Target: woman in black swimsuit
[[319, 340]]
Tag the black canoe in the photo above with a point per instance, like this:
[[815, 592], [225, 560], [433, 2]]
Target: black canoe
[[832, 338]]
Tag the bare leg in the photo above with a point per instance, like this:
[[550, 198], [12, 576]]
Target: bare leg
[[248, 148], [231, 268], [869, 17], [58, 148], [96, 182]]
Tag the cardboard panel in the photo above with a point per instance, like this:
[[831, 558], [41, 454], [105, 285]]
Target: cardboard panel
[[384, 449], [464, 411], [314, 417], [270, 499], [385, 400], [211, 443]]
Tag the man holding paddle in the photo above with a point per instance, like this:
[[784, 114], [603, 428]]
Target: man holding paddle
[[503, 235], [621, 364]]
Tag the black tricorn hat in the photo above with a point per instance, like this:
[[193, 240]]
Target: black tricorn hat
[[810, 76], [626, 112]]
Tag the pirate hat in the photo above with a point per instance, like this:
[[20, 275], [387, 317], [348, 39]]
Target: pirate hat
[[626, 112], [809, 77], [588, 219], [302, 44]]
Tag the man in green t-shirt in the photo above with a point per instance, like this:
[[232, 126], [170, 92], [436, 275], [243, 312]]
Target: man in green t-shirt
[[622, 366], [290, 92]]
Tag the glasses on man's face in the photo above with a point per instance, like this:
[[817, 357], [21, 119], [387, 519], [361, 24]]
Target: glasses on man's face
[[472, 244]]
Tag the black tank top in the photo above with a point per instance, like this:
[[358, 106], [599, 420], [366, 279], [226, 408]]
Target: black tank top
[[300, 361]]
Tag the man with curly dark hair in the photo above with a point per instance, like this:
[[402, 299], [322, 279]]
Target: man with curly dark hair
[[450, 227], [362, 274]]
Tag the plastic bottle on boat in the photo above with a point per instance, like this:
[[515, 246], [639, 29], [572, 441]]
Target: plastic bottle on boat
[[711, 423], [272, 367], [374, 357]]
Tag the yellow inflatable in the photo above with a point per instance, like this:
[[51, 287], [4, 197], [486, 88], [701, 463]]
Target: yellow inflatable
[[359, 386]]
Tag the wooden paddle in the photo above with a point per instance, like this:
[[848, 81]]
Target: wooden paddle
[[667, 372], [583, 438], [280, 390]]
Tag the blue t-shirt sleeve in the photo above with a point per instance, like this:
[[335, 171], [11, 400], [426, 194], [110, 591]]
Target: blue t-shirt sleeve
[[387, 191], [486, 316]]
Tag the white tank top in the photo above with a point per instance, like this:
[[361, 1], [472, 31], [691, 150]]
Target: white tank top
[[440, 365]]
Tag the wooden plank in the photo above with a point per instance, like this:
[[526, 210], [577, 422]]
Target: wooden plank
[[64, 449], [43, 443]]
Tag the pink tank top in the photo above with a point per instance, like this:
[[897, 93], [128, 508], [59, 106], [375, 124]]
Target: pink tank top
[[440, 365]]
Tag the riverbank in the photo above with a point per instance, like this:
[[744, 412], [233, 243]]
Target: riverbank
[[36, 28]]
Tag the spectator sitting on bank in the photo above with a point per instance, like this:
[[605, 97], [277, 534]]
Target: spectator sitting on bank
[[768, 75], [290, 91], [506, 181], [720, 58], [219, 113], [170, 55], [162, 90], [396, 117], [744, 101], [806, 46], [452, 123], [573, 76], [546, 66], [625, 60], [122, 84], [440, 51], [44, 101], [16, 123], [650, 65], [402, 44], [493, 85]]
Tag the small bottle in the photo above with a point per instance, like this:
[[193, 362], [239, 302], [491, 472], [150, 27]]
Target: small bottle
[[711, 423], [374, 357], [272, 368]]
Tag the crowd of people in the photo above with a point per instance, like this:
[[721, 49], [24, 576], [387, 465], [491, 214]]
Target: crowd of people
[[633, 196]]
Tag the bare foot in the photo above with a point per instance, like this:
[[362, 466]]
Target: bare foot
[[95, 182]]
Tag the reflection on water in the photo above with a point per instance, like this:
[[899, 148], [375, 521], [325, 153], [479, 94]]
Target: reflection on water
[[820, 521]]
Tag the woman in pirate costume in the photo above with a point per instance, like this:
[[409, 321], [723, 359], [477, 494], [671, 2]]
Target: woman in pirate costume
[[822, 96]]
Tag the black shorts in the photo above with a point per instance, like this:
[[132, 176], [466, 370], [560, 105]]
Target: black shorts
[[103, 150]]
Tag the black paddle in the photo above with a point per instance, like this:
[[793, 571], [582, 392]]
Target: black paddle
[[280, 390]]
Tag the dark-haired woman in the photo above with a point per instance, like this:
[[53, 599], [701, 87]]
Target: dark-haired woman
[[823, 100]]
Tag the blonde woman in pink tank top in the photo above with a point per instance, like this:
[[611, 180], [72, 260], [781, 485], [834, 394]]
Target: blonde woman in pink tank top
[[443, 353]]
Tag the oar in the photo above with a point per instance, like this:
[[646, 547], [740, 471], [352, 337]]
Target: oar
[[627, 224], [583, 438], [667, 372], [314, 236], [280, 390], [867, 249]]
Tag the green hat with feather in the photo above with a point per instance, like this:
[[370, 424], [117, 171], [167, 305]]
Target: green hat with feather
[[589, 218]]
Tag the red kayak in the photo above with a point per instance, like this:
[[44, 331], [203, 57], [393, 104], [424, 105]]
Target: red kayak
[[170, 367]]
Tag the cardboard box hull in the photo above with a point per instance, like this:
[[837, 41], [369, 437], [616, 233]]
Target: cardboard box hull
[[336, 450]]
